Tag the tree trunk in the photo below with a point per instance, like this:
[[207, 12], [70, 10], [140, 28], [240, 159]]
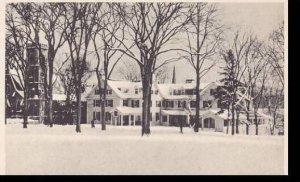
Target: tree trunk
[[103, 126], [50, 93], [256, 123], [197, 117], [146, 109], [78, 116], [25, 107], [232, 118], [237, 122]]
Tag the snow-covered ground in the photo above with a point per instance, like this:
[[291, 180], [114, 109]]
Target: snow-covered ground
[[121, 150]]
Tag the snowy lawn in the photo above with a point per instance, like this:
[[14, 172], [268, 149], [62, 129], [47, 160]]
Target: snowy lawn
[[121, 150]]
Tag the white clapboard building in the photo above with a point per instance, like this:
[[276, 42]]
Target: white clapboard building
[[171, 104]]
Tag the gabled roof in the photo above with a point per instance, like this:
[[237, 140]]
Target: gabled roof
[[115, 85], [165, 89]]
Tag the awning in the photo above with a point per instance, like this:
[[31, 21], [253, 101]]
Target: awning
[[174, 112], [129, 110]]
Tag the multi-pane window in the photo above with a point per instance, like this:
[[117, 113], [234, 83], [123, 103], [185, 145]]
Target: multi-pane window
[[158, 103], [109, 91], [109, 103], [97, 103], [207, 104], [135, 103], [125, 102], [136, 91], [96, 115], [156, 92], [193, 104], [157, 116]]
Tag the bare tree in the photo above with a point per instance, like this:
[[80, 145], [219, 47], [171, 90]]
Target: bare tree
[[129, 71], [150, 27], [52, 25], [104, 38], [66, 82], [255, 61], [275, 52], [162, 75], [80, 20], [234, 70], [204, 36], [17, 31]]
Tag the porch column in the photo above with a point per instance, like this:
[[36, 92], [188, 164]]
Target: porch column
[[188, 119], [202, 123], [168, 119], [121, 120], [111, 122], [133, 120]]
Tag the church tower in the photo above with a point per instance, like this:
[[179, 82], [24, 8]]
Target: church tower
[[35, 78]]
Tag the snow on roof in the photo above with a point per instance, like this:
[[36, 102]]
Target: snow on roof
[[129, 110], [174, 112], [165, 89], [59, 97]]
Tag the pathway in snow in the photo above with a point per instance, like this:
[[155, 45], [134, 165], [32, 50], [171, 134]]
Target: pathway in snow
[[121, 150]]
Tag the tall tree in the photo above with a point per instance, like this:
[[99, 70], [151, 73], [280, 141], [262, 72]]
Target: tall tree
[[236, 64], [150, 27], [19, 33], [204, 36], [104, 38], [80, 20], [275, 52], [53, 26]]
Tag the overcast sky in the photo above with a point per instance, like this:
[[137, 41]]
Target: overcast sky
[[259, 18]]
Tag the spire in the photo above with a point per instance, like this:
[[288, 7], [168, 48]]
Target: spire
[[174, 76]]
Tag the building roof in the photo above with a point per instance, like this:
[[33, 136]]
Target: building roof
[[174, 112], [165, 89], [59, 97], [129, 110]]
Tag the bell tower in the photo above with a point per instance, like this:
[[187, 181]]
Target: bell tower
[[35, 78]]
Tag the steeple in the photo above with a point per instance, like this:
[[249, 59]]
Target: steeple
[[174, 76]]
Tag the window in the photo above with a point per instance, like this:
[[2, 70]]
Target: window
[[97, 92], [96, 115], [165, 119], [207, 104], [209, 123], [189, 92], [135, 103], [107, 116], [158, 103], [136, 91], [150, 103], [109, 103], [125, 102], [109, 92], [184, 104], [193, 104], [212, 91], [97, 103], [151, 92], [157, 116], [156, 92], [125, 90], [179, 104], [171, 103]]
